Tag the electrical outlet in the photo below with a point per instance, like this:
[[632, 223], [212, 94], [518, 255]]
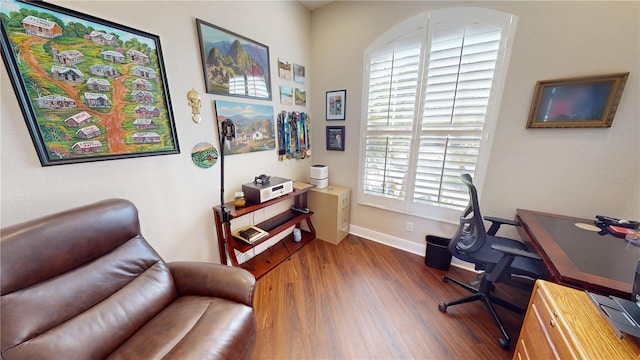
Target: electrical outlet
[[409, 226]]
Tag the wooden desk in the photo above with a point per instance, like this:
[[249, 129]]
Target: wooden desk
[[563, 323], [580, 258]]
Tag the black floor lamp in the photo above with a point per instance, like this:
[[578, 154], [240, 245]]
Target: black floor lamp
[[226, 130]]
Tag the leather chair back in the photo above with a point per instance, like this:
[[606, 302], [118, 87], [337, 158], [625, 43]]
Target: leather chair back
[[80, 282]]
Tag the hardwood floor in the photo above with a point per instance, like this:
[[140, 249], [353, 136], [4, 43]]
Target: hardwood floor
[[364, 300]]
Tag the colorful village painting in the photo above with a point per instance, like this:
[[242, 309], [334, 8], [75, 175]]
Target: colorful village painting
[[93, 90], [253, 127]]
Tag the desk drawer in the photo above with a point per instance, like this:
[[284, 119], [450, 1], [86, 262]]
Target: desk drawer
[[550, 321]]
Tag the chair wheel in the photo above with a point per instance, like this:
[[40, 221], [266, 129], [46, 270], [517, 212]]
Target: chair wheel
[[504, 343], [442, 307], [445, 279]]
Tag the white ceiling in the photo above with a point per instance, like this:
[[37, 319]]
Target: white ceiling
[[314, 4]]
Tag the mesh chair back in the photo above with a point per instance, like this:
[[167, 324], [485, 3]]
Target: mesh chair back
[[471, 233]]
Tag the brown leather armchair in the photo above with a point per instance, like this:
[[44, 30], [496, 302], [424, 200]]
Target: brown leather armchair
[[84, 284]]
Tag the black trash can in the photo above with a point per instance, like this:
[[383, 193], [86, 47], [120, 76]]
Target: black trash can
[[438, 255]]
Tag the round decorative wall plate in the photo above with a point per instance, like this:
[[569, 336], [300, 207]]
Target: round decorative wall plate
[[204, 155]]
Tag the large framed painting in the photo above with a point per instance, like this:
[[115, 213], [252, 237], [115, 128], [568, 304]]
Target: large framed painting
[[247, 127], [89, 89], [233, 65], [584, 102]]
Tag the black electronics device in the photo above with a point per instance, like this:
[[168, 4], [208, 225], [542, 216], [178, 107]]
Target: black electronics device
[[299, 209], [623, 315]]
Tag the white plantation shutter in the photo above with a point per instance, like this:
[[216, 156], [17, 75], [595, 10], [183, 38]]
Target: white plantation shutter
[[430, 89], [393, 78], [460, 72]]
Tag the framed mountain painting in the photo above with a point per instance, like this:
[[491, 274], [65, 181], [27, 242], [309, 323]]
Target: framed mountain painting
[[89, 89], [232, 64]]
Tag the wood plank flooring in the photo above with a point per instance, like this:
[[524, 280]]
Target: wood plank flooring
[[364, 300]]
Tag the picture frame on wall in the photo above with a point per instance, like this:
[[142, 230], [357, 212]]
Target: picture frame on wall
[[335, 138], [336, 105], [581, 102], [89, 89], [253, 126], [232, 64]]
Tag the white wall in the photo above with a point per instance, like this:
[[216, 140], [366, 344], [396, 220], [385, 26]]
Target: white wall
[[581, 172], [173, 196]]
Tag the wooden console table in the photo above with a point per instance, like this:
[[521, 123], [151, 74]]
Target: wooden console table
[[269, 259]]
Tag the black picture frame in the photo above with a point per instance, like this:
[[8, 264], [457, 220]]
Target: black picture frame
[[335, 138], [218, 45], [336, 105], [83, 97]]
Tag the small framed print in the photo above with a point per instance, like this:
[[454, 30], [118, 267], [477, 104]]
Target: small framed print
[[336, 104], [335, 138]]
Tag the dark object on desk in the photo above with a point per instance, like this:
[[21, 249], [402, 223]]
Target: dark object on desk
[[498, 257], [262, 179], [578, 258], [608, 221], [623, 315]]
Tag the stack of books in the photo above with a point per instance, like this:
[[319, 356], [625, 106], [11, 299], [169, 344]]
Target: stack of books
[[250, 234]]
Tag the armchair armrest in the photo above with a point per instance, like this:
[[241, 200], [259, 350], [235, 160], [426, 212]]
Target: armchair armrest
[[516, 252], [215, 280], [497, 222]]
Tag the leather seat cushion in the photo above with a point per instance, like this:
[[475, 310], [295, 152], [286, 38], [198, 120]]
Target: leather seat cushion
[[193, 327]]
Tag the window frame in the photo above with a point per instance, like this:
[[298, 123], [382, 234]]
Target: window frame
[[423, 25]]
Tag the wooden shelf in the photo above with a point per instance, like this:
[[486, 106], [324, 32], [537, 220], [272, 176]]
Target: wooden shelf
[[273, 226], [249, 208], [279, 252], [275, 255]]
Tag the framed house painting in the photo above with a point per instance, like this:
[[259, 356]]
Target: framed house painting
[[232, 64], [89, 89], [250, 127], [336, 104], [584, 102]]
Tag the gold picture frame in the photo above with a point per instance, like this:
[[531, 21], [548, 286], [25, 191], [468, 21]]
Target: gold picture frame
[[580, 102]]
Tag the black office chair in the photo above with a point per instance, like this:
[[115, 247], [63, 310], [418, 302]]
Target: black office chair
[[497, 257]]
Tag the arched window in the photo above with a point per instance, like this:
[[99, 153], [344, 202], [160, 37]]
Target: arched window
[[432, 90]]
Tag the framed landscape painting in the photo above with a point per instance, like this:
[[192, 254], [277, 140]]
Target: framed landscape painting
[[89, 89], [584, 102], [251, 126], [232, 64]]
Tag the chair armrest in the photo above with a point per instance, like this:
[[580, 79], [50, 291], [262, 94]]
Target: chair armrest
[[516, 252], [214, 280], [497, 222]]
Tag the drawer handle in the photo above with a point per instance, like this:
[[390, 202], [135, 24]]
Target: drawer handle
[[552, 323], [555, 313]]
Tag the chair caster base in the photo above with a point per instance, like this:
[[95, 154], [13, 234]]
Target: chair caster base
[[504, 343], [442, 307], [445, 279]]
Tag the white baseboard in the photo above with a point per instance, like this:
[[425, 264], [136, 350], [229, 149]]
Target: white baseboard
[[402, 244]]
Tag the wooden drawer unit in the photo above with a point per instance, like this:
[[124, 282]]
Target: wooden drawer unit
[[562, 323], [331, 208]]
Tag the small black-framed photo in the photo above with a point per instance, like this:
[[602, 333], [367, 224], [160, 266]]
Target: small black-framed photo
[[336, 104], [335, 138]]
